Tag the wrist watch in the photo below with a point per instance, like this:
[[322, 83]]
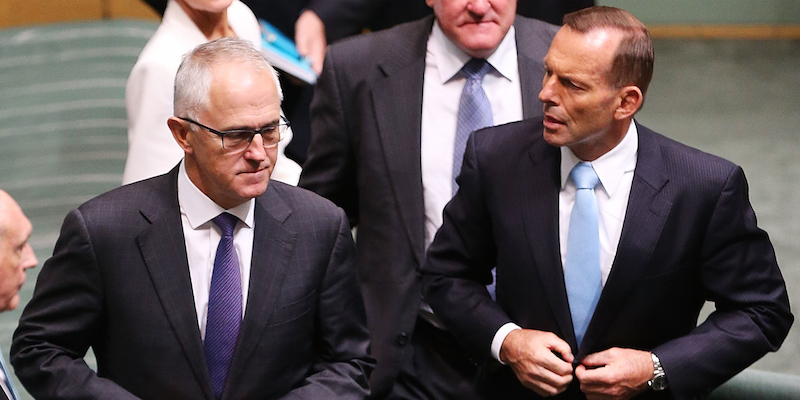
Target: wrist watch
[[659, 381]]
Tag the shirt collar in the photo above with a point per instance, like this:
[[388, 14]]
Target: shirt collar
[[199, 208], [449, 59], [610, 167]]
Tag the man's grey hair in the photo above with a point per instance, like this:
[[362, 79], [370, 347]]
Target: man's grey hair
[[193, 80]]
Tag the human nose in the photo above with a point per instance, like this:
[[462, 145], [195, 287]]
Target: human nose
[[548, 94], [479, 7], [255, 149], [28, 257]]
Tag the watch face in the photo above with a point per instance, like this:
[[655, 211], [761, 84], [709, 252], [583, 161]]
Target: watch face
[[659, 383]]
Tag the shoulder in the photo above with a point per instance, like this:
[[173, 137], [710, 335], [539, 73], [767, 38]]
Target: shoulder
[[534, 31], [500, 148], [244, 22], [302, 204], [407, 38], [682, 158]]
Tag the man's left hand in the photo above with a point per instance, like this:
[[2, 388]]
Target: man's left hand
[[615, 374]]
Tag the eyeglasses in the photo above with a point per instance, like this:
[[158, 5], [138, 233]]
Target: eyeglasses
[[239, 139]]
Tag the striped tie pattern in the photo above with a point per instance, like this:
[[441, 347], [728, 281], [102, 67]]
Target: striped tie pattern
[[224, 306], [474, 110]]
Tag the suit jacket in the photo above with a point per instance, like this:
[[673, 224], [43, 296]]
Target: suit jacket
[[119, 282], [689, 236], [365, 157]]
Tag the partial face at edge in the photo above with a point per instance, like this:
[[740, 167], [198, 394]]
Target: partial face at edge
[[16, 255], [475, 26]]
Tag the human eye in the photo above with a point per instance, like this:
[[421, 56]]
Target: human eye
[[237, 137], [570, 84]]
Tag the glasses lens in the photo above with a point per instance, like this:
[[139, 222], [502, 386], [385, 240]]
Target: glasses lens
[[236, 140]]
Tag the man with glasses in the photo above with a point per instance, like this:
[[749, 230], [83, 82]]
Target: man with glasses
[[210, 281]]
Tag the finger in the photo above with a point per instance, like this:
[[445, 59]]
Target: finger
[[562, 348], [598, 359]]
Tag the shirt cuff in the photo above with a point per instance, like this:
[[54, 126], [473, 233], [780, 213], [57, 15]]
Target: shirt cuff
[[499, 337]]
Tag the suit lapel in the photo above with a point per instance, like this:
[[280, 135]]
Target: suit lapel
[[533, 43], [273, 247], [540, 187], [164, 252], [397, 99], [648, 208]]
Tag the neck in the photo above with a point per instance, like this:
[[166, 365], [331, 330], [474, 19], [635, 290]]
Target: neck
[[213, 25], [607, 141]]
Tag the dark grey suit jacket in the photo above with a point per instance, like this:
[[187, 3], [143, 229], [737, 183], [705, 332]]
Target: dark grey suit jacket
[[118, 282], [365, 157], [689, 236]]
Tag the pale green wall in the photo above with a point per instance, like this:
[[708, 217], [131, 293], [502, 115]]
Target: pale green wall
[[784, 12]]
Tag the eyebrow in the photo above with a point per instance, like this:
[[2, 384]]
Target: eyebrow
[[247, 128]]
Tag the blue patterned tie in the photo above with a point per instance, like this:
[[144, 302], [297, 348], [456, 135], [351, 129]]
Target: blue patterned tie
[[582, 270], [474, 110], [224, 306]]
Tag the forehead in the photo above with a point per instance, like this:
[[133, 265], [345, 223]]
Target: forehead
[[242, 93], [591, 52], [16, 228]]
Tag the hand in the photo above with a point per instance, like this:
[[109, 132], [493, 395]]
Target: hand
[[615, 374], [309, 36], [541, 360]]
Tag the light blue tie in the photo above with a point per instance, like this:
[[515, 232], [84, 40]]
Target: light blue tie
[[582, 270], [474, 110]]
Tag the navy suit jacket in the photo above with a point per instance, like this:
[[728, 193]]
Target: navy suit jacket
[[118, 282], [689, 236], [365, 157]]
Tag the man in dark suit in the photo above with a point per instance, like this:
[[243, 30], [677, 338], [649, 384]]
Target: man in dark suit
[[274, 312], [385, 127], [16, 256], [661, 228]]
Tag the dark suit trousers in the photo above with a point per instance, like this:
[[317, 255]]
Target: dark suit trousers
[[437, 369]]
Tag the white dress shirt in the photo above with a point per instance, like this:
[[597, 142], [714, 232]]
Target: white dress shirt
[[202, 237], [615, 170], [440, 97]]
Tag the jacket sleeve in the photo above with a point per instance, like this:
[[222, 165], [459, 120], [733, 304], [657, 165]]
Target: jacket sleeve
[[60, 322], [740, 274]]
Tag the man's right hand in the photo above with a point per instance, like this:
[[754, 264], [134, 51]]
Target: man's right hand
[[541, 360]]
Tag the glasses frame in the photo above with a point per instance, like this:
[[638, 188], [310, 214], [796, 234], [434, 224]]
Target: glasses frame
[[282, 127]]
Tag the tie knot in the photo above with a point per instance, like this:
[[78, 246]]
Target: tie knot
[[584, 177], [476, 69], [226, 222]]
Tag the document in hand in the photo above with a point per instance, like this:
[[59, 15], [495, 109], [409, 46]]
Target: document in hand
[[282, 54]]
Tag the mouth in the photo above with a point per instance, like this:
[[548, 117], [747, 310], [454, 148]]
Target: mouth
[[551, 122]]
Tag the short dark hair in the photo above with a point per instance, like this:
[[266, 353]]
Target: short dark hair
[[633, 61]]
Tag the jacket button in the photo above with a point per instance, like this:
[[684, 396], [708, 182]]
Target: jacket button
[[402, 338]]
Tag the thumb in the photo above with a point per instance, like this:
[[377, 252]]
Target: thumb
[[595, 360]]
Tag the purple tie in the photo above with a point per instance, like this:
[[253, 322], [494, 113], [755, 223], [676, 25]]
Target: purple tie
[[224, 306]]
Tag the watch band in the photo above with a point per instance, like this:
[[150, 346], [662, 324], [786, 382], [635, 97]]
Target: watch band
[[659, 381]]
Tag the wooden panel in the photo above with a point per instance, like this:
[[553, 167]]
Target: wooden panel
[[725, 31], [131, 9], [26, 12]]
